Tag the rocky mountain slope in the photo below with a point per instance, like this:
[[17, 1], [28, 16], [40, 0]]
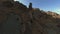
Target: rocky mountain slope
[[16, 18], [45, 23]]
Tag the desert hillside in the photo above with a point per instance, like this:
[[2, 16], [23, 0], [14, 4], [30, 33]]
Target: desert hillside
[[16, 18]]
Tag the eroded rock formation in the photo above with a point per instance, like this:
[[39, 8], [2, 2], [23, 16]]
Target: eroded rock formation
[[16, 18]]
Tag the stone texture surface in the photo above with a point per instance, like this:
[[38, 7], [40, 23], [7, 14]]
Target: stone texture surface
[[20, 20]]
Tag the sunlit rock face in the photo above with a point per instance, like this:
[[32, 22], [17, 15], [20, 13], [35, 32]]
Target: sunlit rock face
[[44, 23]]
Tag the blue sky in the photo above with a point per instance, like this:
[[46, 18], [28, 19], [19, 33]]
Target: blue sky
[[46, 5]]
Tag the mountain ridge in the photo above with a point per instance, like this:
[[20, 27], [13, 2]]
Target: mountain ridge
[[31, 20]]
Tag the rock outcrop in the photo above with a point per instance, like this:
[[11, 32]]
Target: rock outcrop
[[16, 18]]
